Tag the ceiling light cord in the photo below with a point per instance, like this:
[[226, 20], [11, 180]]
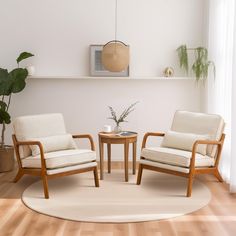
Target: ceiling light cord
[[115, 25], [116, 5]]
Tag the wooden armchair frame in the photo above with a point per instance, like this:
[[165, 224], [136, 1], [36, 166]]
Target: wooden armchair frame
[[43, 170], [192, 170]]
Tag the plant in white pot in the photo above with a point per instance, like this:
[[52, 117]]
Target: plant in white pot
[[10, 83]]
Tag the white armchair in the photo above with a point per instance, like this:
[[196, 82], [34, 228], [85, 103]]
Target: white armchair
[[43, 148], [192, 146]]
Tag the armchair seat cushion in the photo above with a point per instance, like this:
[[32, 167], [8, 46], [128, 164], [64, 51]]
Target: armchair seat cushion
[[175, 157], [60, 159]]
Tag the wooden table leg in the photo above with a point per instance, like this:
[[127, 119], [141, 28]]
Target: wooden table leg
[[109, 157], [101, 151], [126, 156], [134, 157]]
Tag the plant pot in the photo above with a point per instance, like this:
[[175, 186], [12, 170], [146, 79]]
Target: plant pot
[[7, 158]]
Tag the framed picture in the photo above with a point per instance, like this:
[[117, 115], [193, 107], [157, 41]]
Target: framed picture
[[96, 67]]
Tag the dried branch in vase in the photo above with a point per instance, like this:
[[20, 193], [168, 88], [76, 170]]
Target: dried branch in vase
[[123, 115]]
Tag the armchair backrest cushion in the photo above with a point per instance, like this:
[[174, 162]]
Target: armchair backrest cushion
[[27, 128], [184, 141], [54, 143], [201, 124]]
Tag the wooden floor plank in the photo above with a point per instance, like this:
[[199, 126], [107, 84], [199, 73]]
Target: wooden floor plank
[[218, 218]]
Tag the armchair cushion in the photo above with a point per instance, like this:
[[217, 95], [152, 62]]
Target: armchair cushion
[[54, 143], [71, 168], [60, 159], [199, 123], [175, 157], [184, 141], [36, 126], [164, 166]]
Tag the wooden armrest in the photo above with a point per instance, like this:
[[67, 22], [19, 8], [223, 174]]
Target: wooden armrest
[[150, 134], [208, 142], [88, 136], [26, 143]]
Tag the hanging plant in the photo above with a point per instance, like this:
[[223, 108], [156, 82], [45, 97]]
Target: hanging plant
[[183, 57], [201, 63]]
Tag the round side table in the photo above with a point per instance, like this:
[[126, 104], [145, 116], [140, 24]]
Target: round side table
[[112, 138]]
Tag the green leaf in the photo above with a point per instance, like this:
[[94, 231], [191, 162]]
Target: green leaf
[[18, 76], [183, 57], [3, 73], [5, 82], [23, 56], [211, 63], [3, 105], [4, 117]]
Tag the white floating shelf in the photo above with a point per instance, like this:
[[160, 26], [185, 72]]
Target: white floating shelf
[[109, 78]]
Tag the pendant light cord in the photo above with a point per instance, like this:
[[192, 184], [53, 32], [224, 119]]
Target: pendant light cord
[[116, 23], [116, 20]]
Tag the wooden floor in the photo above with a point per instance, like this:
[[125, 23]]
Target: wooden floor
[[216, 219]]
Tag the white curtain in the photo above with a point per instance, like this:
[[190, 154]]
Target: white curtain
[[221, 92]]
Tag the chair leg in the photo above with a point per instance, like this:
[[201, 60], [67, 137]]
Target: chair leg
[[95, 173], [140, 172], [190, 183], [218, 175], [19, 174], [45, 186]]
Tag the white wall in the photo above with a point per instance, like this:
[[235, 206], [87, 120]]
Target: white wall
[[84, 103], [59, 33]]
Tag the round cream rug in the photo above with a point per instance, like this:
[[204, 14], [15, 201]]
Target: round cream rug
[[160, 196]]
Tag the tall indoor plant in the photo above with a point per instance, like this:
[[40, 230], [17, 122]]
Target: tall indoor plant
[[201, 64], [10, 83]]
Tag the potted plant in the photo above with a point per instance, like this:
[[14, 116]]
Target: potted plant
[[201, 63], [10, 83], [122, 117]]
